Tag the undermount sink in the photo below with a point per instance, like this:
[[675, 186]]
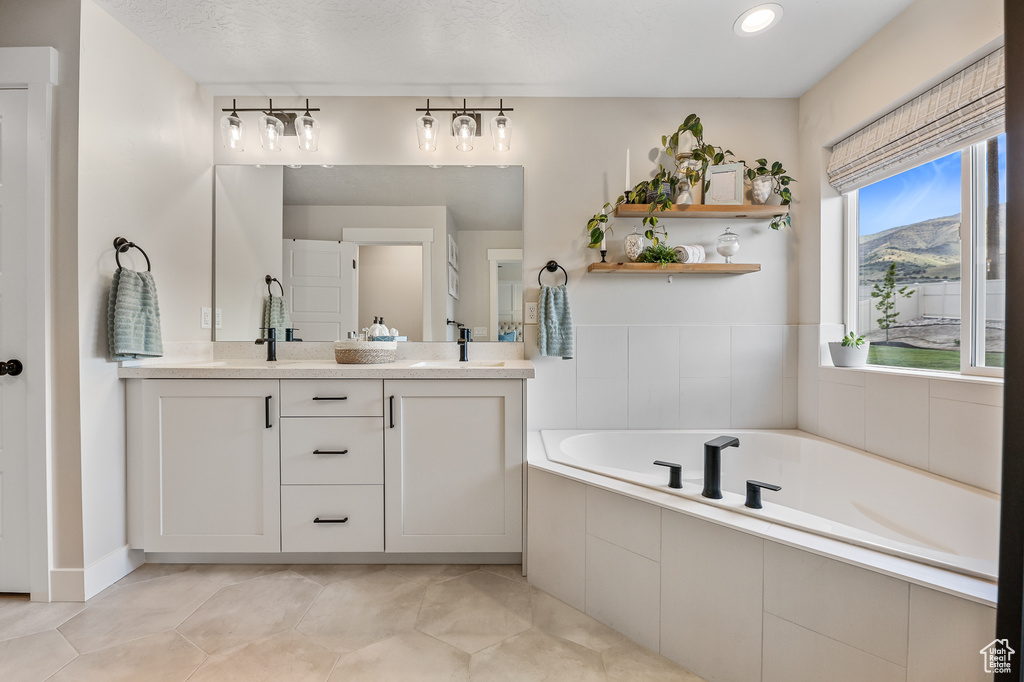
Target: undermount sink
[[455, 364]]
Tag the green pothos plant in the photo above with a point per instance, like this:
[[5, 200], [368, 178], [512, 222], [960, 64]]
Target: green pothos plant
[[780, 185], [693, 165], [661, 188]]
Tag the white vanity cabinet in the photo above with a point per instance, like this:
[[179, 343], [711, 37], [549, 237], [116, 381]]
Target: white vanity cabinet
[[204, 466], [453, 477]]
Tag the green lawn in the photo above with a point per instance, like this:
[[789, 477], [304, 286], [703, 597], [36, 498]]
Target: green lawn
[[924, 358]]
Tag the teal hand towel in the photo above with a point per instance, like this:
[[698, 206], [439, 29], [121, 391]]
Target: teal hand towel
[[133, 316], [554, 322], [276, 315]]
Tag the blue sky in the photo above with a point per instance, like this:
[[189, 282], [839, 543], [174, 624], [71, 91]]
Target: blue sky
[[928, 191]]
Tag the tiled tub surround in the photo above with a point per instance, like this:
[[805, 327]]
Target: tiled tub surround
[[733, 597]]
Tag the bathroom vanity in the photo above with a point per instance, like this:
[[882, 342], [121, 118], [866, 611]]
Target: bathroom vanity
[[315, 457]]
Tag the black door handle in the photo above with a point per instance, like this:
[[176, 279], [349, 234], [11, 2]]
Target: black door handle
[[267, 405], [12, 367], [391, 410], [319, 520]]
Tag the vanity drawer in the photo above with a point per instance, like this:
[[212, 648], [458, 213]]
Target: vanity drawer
[[361, 505], [332, 398], [351, 450]]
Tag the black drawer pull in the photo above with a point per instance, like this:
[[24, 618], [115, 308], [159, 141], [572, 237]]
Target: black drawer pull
[[319, 520], [344, 397], [330, 452], [267, 408]]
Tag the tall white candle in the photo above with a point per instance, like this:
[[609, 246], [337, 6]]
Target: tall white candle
[[628, 186], [604, 232]]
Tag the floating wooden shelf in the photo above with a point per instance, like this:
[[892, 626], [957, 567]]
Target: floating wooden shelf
[[750, 211], [671, 268]]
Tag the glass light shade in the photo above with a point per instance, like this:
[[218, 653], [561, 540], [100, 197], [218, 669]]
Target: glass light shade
[[271, 132], [426, 132], [501, 132], [307, 129], [232, 132], [465, 130]]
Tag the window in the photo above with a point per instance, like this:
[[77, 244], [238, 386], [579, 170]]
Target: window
[[928, 262]]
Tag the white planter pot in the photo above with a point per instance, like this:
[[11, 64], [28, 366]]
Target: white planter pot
[[848, 356]]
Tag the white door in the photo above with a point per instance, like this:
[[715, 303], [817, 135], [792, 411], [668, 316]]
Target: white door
[[14, 523], [320, 284]]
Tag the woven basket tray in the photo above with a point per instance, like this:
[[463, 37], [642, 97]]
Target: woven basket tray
[[365, 352]]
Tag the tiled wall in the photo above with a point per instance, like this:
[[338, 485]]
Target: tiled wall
[[669, 377]]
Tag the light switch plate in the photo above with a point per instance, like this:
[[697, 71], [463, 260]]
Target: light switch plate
[[217, 319], [479, 332], [206, 318], [531, 313]]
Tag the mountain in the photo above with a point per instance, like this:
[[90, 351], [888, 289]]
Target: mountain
[[926, 250]]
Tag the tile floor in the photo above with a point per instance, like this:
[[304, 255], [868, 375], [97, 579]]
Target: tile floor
[[337, 623]]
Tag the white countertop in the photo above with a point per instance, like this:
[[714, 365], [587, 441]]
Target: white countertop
[[329, 369]]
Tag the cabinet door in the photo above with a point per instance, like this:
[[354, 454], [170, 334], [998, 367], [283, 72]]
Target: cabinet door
[[211, 471], [453, 466]]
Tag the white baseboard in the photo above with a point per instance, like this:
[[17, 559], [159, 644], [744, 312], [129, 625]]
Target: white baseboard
[[80, 584]]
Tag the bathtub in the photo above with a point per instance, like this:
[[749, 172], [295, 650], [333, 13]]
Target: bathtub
[[828, 489]]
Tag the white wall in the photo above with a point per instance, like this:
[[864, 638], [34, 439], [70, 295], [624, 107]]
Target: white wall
[[474, 306], [327, 222], [145, 173], [391, 286], [926, 43], [247, 229]]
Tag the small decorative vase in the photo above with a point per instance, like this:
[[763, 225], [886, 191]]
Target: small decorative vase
[[761, 189], [634, 245], [684, 197], [728, 244]]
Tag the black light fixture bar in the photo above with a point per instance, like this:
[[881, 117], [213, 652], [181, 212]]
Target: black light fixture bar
[[429, 108], [272, 108]]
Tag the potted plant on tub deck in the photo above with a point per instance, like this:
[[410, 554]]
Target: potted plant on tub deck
[[852, 351]]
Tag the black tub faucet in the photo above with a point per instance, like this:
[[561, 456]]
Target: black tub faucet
[[675, 473], [271, 342], [713, 465]]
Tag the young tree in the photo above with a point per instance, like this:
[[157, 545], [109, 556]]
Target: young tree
[[887, 295]]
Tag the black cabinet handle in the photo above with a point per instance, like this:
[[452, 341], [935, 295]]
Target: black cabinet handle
[[344, 397], [319, 520], [11, 367], [267, 406], [330, 452], [391, 410]]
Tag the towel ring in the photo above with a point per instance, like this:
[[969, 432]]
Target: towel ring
[[552, 266], [121, 245], [274, 279]]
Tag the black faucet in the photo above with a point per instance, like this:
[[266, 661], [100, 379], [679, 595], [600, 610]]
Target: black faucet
[[675, 473], [754, 492], [713, 465], [465, 336], [271, 341]]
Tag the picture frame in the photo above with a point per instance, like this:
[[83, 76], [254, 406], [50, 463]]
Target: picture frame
[[725, 184], [453, 283], [453, 252]]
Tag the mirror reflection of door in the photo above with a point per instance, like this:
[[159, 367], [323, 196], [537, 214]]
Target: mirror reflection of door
[[321, 287], [391, 286]]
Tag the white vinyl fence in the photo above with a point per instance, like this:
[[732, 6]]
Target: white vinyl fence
[[941, 299]]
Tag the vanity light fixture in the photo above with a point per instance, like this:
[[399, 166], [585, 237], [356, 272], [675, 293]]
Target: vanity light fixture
[[757, 19], [465, 126], [275, 123]]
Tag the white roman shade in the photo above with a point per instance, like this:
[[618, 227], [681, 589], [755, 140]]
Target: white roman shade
[[963, 106]]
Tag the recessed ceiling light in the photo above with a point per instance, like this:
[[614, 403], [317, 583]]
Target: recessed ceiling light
[[757, 19]]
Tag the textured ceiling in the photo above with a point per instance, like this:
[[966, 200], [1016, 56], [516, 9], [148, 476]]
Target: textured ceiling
[[506, 48], [478, 198]]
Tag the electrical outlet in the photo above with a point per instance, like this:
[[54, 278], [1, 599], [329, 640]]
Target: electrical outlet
[[218, 321], [206, 318], [480, 332], [531, 313]]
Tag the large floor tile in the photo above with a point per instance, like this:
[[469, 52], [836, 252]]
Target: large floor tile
[[561, 620], [164, 657], [431, 574], [34, 658], [475, 611], [137, 610], [409, 656], [534, 657], [629, 662], [20, 617], [150, 571], [328, 574], [510, 571], [229, 574], [356, 613], [250, 611], [285, 656]]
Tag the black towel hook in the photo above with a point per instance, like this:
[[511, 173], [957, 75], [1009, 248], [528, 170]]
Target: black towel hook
[[121, 245], [552, 266], [274, 279]]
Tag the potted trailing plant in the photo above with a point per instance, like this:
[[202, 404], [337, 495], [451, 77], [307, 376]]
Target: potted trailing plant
[[852, 351], [693, 164], [657, 192], [767, 180]]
